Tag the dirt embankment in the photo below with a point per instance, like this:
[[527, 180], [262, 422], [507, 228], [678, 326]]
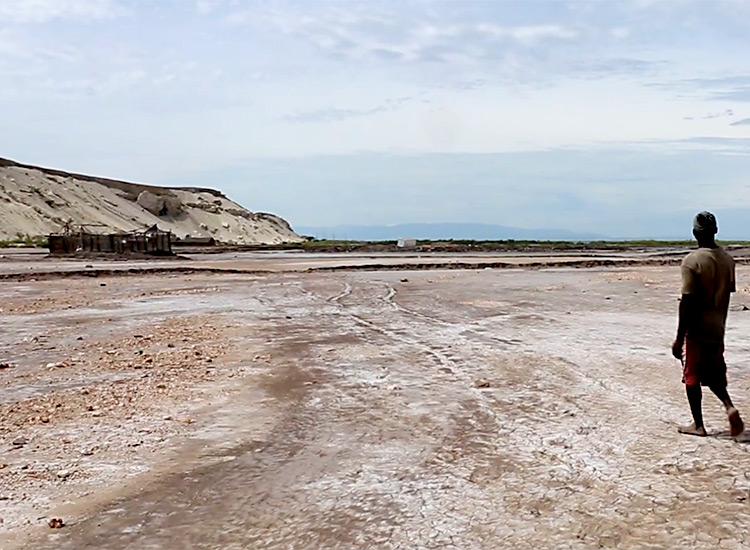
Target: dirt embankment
[[36, 201]]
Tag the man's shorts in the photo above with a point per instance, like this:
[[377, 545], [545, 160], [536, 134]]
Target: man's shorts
[[704, 364]]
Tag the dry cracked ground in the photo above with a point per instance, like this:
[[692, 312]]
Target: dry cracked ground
[[432, 409]]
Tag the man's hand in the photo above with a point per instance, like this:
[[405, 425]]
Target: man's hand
[[677, 348]]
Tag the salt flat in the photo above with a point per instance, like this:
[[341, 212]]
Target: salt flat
[[510, 408]]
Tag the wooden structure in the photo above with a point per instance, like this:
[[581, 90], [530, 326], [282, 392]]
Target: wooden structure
[[189, 240], [151, 241]]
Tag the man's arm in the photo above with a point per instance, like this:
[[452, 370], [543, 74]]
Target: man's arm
[[684, 320]]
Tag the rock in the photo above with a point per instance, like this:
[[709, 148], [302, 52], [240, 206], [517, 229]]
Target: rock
[[404, 280], [44, 419], [745, 308], [56, 523], [63, 474], [4, 366], [481, 383], [20, 441], [159, 205]]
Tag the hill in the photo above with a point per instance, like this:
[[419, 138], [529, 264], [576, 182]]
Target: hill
[[38, 201]]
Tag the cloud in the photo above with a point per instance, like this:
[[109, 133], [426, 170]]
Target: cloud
[[619, 66], [333, 114], [204, 7], [39, 11], [728, 112], [620, 32], [527, 34], [711, 116], [729, 88], [743, 122], [398, 33]]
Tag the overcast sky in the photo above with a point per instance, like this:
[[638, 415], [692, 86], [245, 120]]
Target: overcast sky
[[615, 117]]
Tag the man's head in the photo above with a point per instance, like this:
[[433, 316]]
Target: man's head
[[704, 227]]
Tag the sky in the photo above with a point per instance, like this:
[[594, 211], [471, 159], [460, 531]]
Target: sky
[[621, 118]]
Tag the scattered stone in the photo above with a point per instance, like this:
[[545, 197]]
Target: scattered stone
[[20, 441], [481, 383], [63, 474], [56, 523], [404, 280], [445, 370], [185, 420], [44, 419]]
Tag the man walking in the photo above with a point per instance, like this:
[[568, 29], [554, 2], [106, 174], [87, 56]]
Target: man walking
[[707, 281]]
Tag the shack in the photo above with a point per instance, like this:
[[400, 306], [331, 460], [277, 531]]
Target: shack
[[152, 241], [190, 240], [406, 243]]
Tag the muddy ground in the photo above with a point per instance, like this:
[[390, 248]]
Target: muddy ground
[[429, 409]]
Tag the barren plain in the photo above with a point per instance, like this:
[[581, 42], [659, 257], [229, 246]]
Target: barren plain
[[257, 401]]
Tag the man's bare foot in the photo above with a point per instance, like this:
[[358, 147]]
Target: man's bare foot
[[692, 430], [736, 426]]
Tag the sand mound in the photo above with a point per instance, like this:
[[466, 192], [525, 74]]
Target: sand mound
[[37, 201]]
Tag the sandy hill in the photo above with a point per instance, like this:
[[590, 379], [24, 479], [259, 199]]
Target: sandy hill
[[38, 201]]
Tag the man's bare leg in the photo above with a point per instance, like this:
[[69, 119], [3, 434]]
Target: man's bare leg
[[695, 396], [736, 426]]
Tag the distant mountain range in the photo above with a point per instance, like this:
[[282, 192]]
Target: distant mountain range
[[443, 231]]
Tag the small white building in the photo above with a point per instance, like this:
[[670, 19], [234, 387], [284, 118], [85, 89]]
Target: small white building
[[407, 243]]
